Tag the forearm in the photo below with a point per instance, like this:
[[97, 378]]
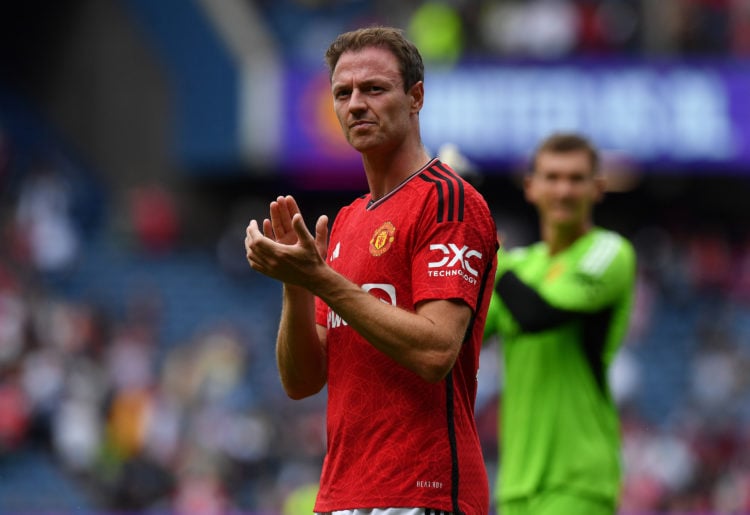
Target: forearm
[[300, 352], [530, 310], [426, 342]]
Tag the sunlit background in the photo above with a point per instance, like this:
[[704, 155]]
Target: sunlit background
[[139, 137]]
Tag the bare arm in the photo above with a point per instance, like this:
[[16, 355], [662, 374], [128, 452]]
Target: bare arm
[[300, 343], [426, 341]]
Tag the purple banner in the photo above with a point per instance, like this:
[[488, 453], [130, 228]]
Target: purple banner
[[671, 115]]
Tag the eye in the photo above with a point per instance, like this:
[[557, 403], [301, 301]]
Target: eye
[[341, 94], [579, 179]]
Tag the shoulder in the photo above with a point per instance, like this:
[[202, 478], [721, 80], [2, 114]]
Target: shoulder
[[437, 177], [522, 253], [455, 198], [514, 257], [605, 252], [436, 172], [359, 203]]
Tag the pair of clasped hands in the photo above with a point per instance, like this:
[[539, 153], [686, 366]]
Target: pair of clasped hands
[[285, 249]]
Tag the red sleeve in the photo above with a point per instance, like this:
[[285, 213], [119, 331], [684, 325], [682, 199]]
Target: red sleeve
[[450, 256]]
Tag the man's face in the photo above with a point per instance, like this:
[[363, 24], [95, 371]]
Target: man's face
[[369, 99], [564, 188]]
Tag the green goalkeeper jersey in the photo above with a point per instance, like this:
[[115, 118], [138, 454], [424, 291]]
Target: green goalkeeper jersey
[[561, 320]]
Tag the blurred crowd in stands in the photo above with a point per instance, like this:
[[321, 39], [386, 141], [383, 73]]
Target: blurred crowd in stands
[[136, 420], [545, 29], [140, 420]]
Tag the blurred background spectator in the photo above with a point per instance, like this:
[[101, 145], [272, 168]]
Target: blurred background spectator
[[137, 366]]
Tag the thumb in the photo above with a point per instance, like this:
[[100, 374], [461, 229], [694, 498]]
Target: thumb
[[300, 228], [321, 234]]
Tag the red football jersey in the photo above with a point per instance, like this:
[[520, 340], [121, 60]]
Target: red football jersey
[[395, 440]]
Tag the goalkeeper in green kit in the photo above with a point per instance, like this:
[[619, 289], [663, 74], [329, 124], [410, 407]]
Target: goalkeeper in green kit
[[561, 309]]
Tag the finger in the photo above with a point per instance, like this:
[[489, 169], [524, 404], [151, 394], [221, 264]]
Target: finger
[[281, 216], [300, 228], [268, 229], [321, 234], [251, 235], [277, 227], [291, 205], [252, 231], [254, 237]]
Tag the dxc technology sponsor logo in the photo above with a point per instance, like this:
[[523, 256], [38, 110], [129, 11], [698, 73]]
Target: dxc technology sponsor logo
[[454, 261]]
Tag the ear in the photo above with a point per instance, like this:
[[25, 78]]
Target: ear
[[600, 187], [528, 187], [417, 97]]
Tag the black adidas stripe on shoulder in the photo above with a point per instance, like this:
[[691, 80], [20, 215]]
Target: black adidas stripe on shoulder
[[450, 191]]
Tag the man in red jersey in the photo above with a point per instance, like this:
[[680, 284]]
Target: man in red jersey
[[390, 314]]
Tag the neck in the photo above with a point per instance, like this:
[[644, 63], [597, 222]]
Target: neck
[[386, 171], [560, 238]]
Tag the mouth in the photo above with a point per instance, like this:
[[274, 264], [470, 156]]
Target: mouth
[[563, 208], [359, 123]]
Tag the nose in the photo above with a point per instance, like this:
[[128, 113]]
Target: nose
[[357, 101], [564, 188]]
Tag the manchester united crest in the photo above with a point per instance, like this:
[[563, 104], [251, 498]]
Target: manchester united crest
[[382, 239]]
